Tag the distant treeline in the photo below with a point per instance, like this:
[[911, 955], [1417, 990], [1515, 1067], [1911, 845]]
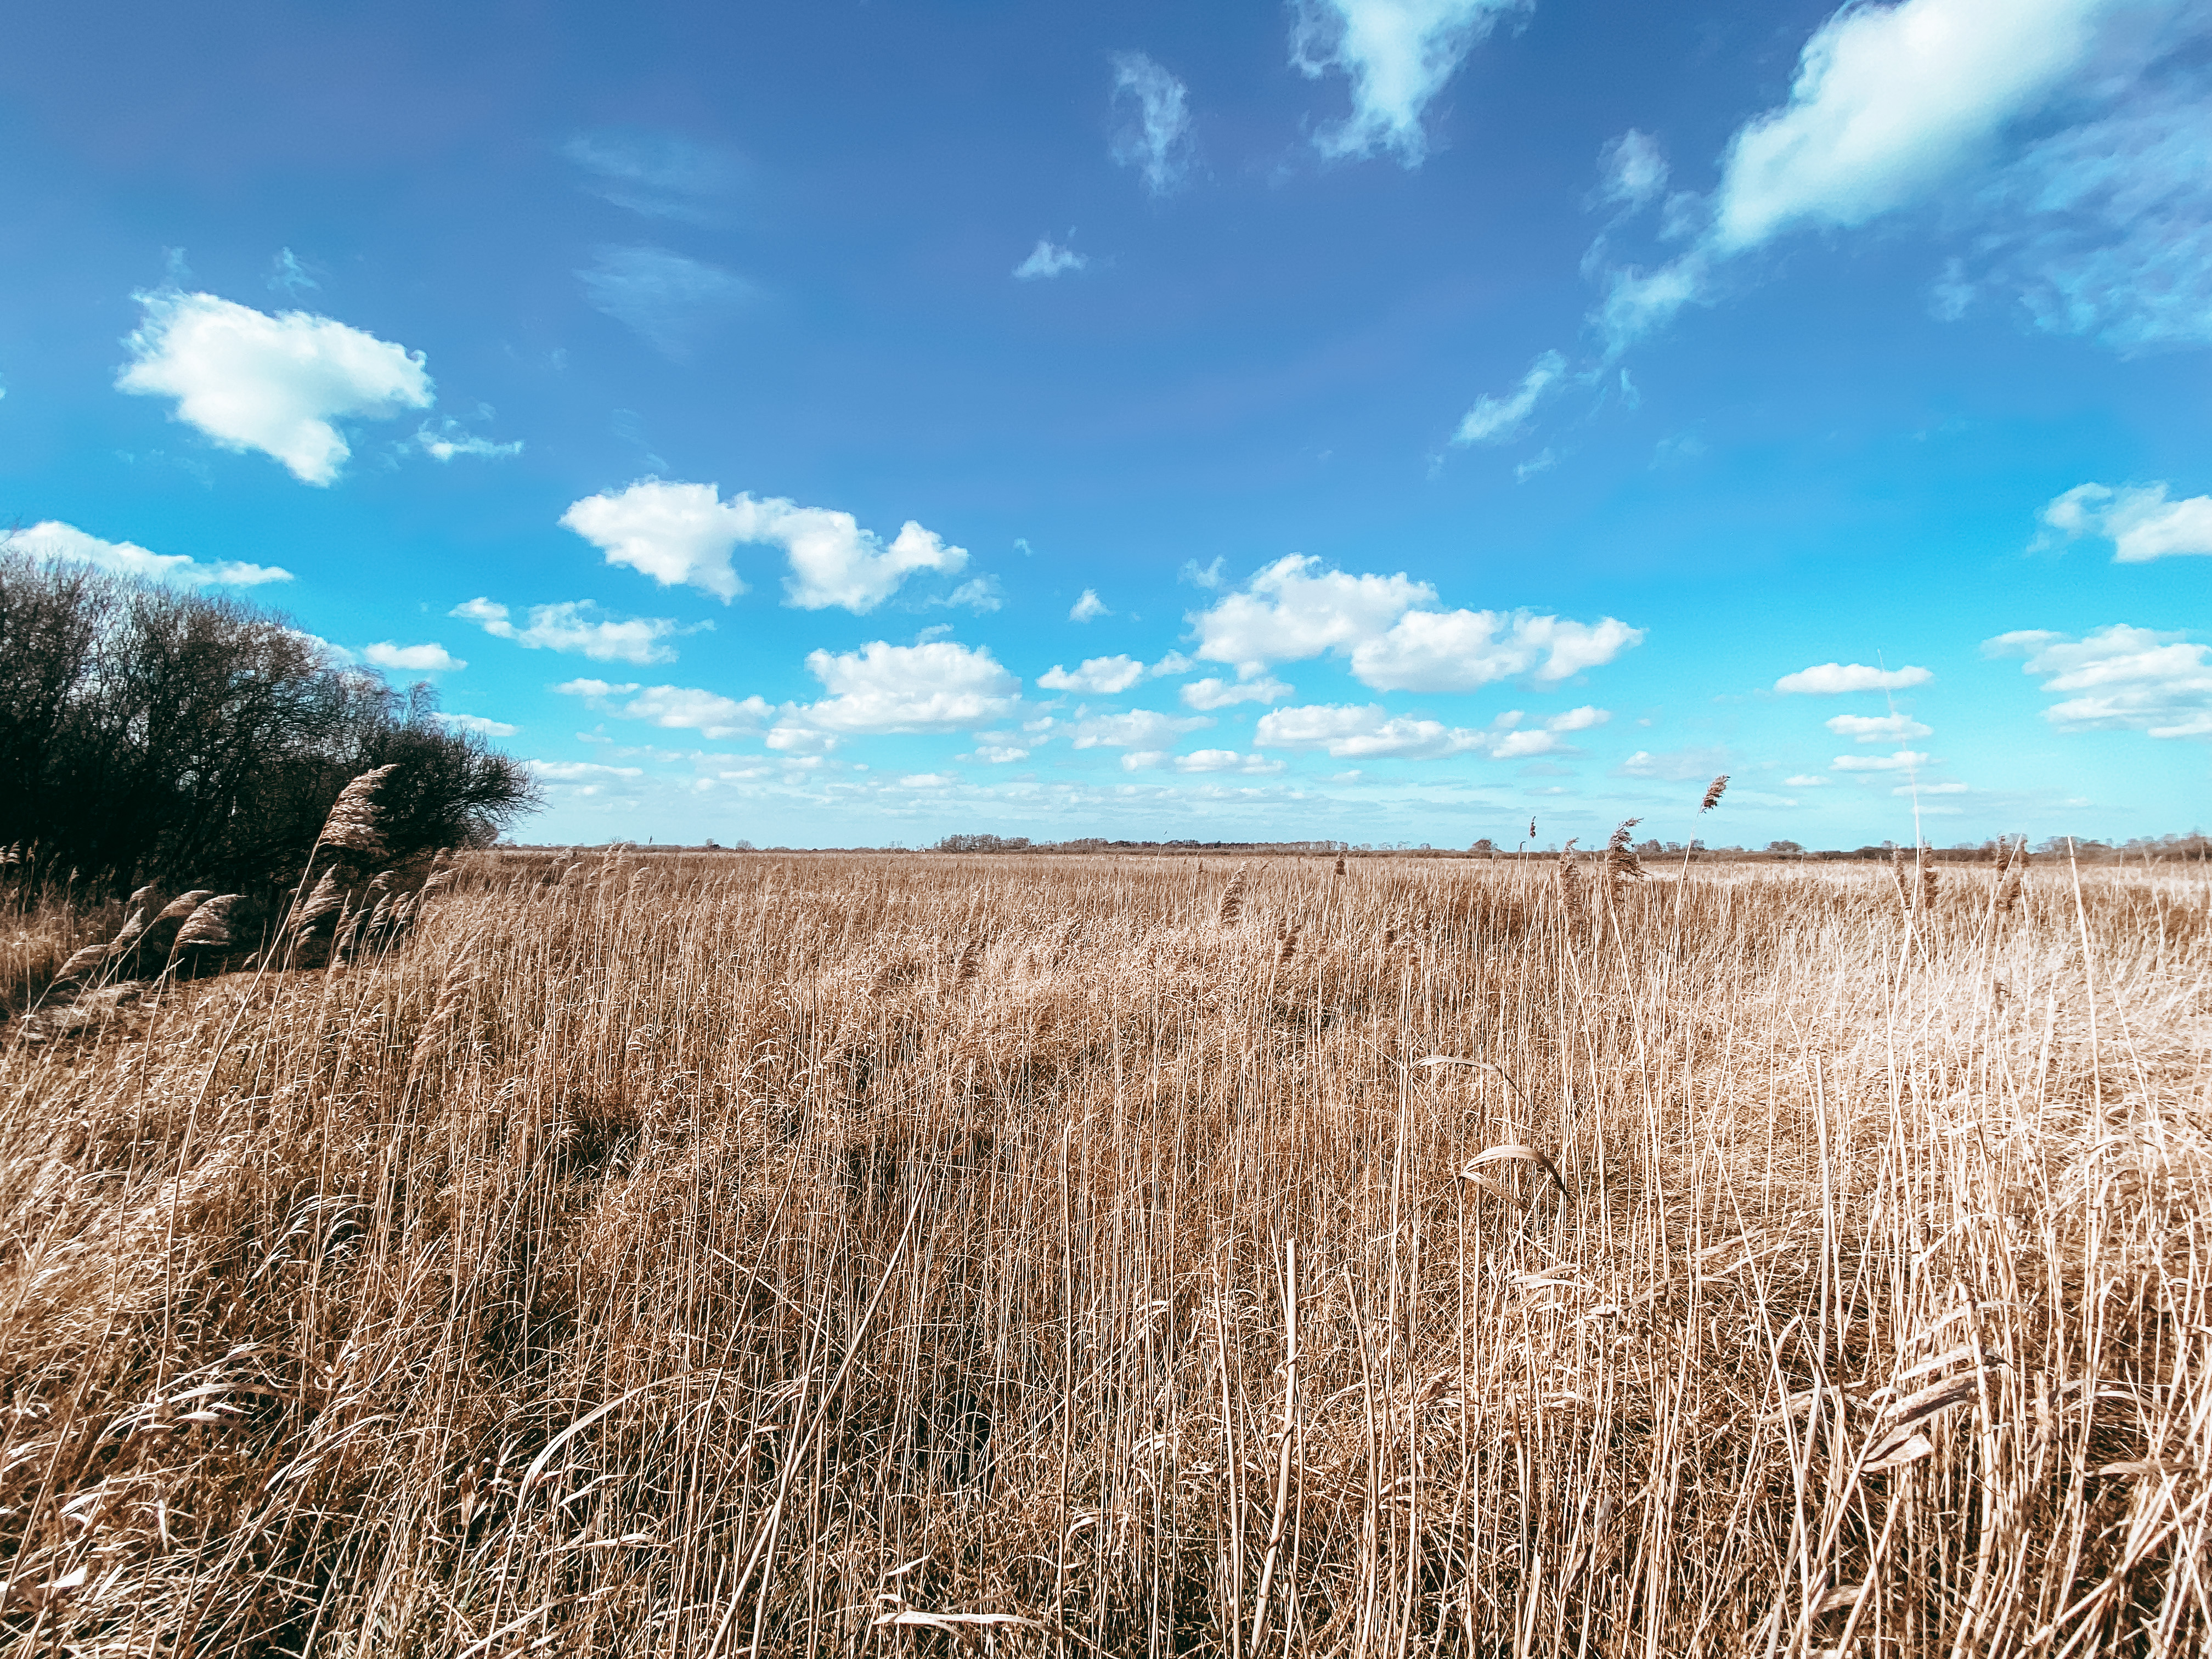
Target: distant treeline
[[151, 735], [2194, 846]]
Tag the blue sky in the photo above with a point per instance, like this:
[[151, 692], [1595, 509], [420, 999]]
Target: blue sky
[[1385, 420]]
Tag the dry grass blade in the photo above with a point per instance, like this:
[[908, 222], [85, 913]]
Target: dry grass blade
[[1518, 1152]]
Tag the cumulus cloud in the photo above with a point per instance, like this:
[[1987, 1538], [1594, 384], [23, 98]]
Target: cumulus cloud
[[660, 175], [2103, 227], [1049, 259], [1098, 676], [1215, 693], [576, 625], [1830, 679], [1089, 608], [480, 725], [432, 659], [672, 301], [1369, 731], [674, 708], [56, 540], [2120, 679], [1890, 102], [2139, 521], [1495, 419], [1879, 728], [1227, 760], [1675, 765], [1153, 122], [937, 686], [685, 533], [1460, 650], [1294, 609], [1398, 56], [276, 384], [1905, 760], [1140, 728]]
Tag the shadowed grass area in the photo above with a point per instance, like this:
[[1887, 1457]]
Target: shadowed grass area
[[709, 1254]]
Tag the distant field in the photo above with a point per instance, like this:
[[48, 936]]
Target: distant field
[[715, 1253]]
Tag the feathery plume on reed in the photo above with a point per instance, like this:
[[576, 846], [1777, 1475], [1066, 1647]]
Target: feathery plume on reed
[[1286, 947], [1570, 880], [353, 824], [325, 900], [1232, 898], [209, 927], [1532, 827], [1621, 863], [1714, 791], [1897, 876], [1927, 856], [968, 964], [1340, 864]]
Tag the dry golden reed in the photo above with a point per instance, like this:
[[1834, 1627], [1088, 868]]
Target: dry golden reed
[[662, 1260]]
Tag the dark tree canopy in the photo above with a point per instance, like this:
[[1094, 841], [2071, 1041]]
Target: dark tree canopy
[[147, 733]]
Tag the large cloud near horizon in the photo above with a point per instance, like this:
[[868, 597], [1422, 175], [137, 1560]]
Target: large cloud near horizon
[[1392, 635], [278, 384]]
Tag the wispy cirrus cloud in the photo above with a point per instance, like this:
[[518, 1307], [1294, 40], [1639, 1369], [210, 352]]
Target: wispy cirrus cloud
[[668, 298], [578, 626], [660, 175], [1397, 55], [1152, 130]]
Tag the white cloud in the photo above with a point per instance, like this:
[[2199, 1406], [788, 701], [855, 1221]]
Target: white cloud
[[1397, 55], [1459, 650], [1830, 679], [1089, 608], [1140, 728], [2139, 521], [939, 686], [997, 753], [1806, 781], [1369, 731], [674, 532], [675, 707], [1931, 789], [1226, 760], [452, 440], [1879, 728], [56, 540], [2122, 678], [658, 174], [1632, 170], [1905, 760], [575, 625], [1098, 676], [581, 771], [671, 301], [1675, 765], [1214, 693], [684, 533], [1152, 130], [414, 658], [1890, 102], [1494, 419], [479, 726], [1049, 259], [1294, 609], [277, 384]]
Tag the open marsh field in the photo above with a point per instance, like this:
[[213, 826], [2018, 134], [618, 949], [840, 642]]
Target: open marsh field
[[697, 1254]]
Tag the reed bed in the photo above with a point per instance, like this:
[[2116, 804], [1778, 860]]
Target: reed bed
[[783, 1255]]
